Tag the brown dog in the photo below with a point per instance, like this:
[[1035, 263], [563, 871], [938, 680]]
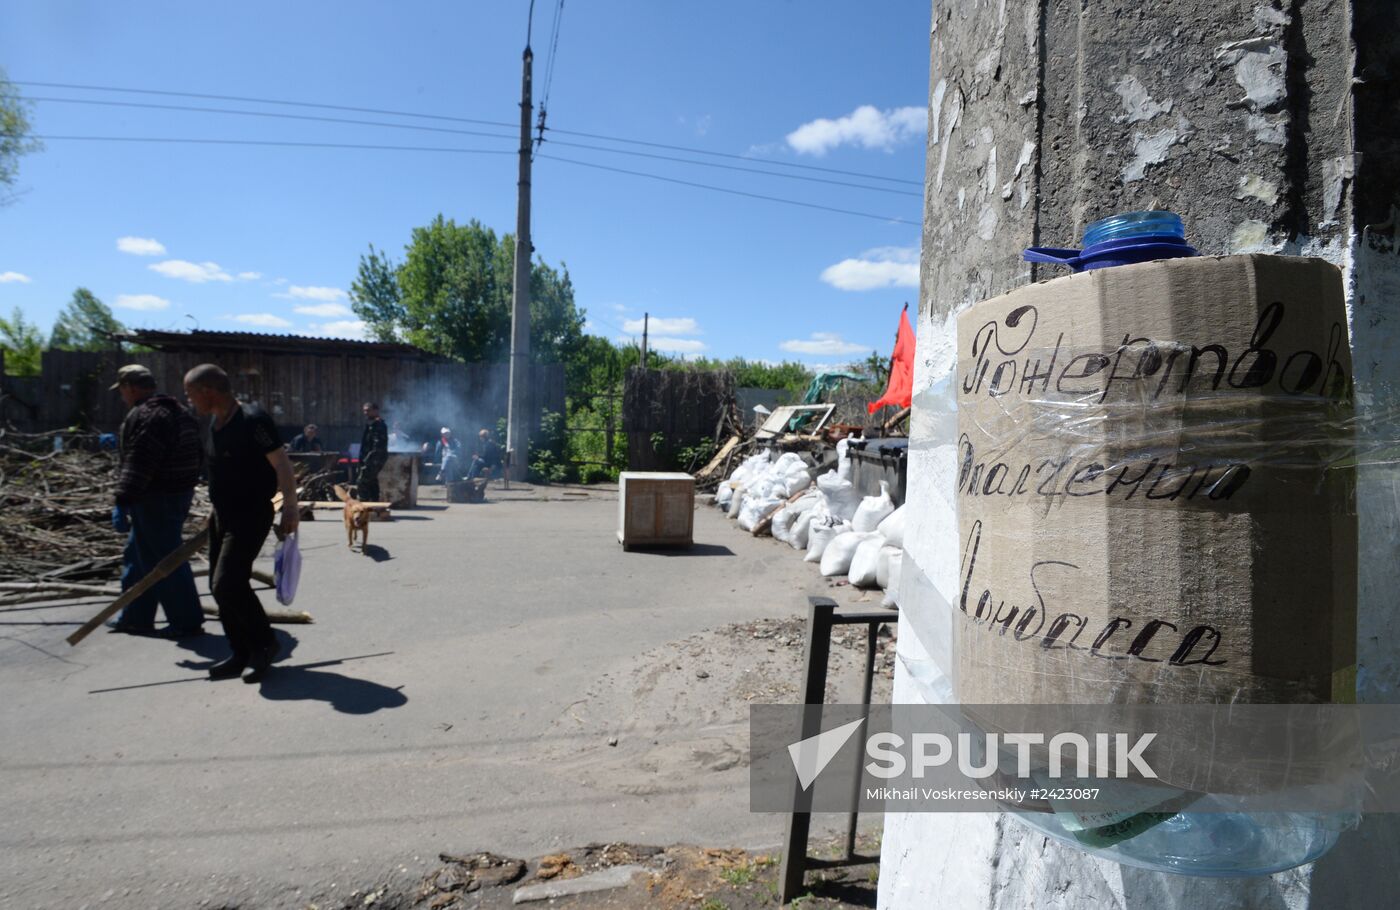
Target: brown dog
[[356, 518]]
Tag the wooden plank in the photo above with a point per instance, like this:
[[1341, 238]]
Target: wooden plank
[[163, 568]]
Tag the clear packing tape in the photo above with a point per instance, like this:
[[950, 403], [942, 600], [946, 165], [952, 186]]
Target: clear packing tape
[[1206, 452]]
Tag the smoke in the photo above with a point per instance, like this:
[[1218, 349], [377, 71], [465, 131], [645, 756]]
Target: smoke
[[417, 415]]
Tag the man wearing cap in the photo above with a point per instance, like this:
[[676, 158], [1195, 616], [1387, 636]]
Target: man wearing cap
[[448, 456], [160, 462]]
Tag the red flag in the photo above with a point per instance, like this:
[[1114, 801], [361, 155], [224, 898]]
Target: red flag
[[900, 391]]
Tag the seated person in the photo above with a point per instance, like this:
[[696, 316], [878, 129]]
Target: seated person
[[448, 455], [487, 456], [307, 440]]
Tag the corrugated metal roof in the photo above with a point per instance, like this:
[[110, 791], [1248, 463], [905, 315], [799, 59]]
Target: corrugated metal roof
[[208, 340]]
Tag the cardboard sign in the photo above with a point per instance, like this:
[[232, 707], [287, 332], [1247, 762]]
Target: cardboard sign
[[1148, 496]]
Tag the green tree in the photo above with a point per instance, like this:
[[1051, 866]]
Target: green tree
[[84, 324], [374, 295], [452, 295], [14, 136], [23, 345]]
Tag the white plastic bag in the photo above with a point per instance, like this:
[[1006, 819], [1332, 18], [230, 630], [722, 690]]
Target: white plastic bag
[[865, 562], [821, 534], [782, 523], [797, 482], [873, 510], [286, 569], [888, 555], [893, 527], [836, 558]]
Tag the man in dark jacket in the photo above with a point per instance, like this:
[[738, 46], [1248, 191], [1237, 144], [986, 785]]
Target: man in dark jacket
[[487, 456], [160, 462], [308, 440], [374, 451]]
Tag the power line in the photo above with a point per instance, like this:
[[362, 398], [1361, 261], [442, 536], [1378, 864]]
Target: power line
[[320, 145], [364, 110], [272, 114], [720, 189], [435, 129], [735, 167], [308, 104], [553, 54]]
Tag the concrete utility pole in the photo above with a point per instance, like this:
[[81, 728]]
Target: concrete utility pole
[[646, 323], [518, 421], [1269, 127]]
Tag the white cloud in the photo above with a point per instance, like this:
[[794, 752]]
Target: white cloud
[[141, 246], [249, 276], [262, 320], [683, 325], [324, 310], [141, 302], [194, 272], [300, 292], [883, 267], [346, 328], [674, 345], [866, 126], [7, 277], [824, 344]]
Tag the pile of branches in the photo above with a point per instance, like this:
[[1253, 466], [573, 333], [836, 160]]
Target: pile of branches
[[55, 511]]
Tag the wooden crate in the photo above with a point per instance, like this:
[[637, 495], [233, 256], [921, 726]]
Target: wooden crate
[[655, 509]]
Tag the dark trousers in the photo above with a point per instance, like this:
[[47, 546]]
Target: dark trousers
[[157, 529], [233, 545], [367, 489]]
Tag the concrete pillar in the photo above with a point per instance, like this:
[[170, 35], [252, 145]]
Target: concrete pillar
[[1269, 126]]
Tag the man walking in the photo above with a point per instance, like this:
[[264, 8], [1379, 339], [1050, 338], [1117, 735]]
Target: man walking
[[247, 465], [374, 451], [160, 454]]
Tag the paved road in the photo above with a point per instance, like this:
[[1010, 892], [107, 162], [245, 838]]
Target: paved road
[[420, 713]]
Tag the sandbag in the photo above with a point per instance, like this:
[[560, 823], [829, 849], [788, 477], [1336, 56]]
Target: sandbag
[[756, 509], [797, 482], [837, 556], [782, 523], [724, 495], [892, 528], [841, 497], [873, 509], [736, 503], [821, 534], [865, 562], [882, 564], [896, 571], [798, 535]]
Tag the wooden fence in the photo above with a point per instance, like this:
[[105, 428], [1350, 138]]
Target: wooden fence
[[685, 407]]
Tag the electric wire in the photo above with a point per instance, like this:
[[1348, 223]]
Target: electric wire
[[395, 113], [732, 192], [553, 55], [276, 143], [451, 131]]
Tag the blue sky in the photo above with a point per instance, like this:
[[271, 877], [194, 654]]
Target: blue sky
[[267, 238]]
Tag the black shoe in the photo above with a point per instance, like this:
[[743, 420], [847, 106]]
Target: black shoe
[[229, 667], [181, 634], [128, 628], [261, 663]]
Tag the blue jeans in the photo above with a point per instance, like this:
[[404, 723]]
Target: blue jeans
[[157, 529]]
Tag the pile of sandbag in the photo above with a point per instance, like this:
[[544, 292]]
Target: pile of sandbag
[[760, 487], [845, 533]]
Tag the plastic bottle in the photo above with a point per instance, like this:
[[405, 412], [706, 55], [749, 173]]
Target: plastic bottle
[[1123, 239], [1201, 843]]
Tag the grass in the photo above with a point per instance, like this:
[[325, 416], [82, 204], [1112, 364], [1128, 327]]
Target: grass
[[738, 875], [713, 904]]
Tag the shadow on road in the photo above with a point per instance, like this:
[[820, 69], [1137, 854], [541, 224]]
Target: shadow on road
[[343, 693], [699, 549], [214, 648], [377, 553]]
